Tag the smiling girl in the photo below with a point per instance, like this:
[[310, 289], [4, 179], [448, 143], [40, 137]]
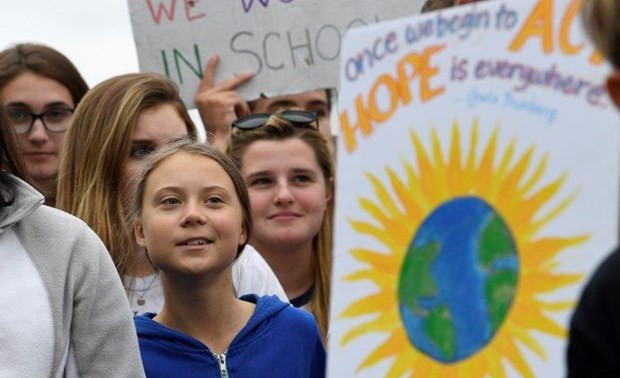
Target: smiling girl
[[289, 171], [193, 218]]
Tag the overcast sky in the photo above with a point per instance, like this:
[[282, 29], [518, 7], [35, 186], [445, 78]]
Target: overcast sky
[[94, 34]]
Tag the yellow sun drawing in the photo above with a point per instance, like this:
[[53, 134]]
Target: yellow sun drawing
[[509, 186]]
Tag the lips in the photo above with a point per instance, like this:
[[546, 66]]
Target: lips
[[39, 155], [281, 215], [192, 242]]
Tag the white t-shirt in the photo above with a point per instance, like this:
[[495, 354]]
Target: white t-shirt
[[250, 273]]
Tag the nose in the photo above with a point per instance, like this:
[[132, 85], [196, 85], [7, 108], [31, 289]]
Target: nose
[[194, 215], [38, 135], [283, 194]]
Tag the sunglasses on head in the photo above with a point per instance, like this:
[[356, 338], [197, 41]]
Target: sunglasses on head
[[299, 118]]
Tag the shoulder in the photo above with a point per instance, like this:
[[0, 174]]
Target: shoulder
[[51, 224], [60, 242], [599, 303], [252, 274], [145, 324], [289, 317], [607, 274], [595, 325], [250, 256]]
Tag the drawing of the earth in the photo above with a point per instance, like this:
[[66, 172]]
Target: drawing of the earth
[[458, 279]]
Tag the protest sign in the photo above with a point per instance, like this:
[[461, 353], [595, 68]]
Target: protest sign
[[291, 45], [477, 190]]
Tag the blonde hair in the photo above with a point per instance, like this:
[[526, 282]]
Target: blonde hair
[[277, 128], [95, 148], [601, 19]]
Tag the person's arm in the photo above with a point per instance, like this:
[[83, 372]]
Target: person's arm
[[103, 341], [219, 104]]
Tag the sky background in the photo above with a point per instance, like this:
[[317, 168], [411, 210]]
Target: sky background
[[95, 35]]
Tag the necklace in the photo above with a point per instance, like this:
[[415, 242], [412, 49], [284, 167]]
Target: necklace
[[141, 301]]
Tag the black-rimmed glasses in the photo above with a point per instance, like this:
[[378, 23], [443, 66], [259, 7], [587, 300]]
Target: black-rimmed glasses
[[299, 118], [55, 120]]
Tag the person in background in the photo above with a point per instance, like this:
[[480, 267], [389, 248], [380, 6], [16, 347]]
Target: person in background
[[193, 218], [219, 105], [594, 336], [40, 88], [289, 170], [117, 125], [433, 5], [64, 312]]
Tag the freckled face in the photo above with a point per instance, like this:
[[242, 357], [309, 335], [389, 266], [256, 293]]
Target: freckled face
[[288, 193], [191, 220]]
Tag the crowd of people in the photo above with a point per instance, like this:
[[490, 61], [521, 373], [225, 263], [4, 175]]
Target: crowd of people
[[131, 247]]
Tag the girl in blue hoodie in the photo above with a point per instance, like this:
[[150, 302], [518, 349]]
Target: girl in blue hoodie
[[193, 217]]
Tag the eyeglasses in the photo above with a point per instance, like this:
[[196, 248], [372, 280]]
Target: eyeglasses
[[299, 118], [55, 120]]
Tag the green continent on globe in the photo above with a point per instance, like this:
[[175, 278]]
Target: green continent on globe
[[415, 278], [500, 290], [439, 329], [495, 242]]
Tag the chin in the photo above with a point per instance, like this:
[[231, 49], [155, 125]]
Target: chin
[[43, 178]]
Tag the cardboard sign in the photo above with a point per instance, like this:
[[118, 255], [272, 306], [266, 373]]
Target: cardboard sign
[[291, 45], [477, 190]]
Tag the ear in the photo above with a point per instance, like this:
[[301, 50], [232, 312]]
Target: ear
[[329, 192], [613, 87], [139, 233], [243, 236]]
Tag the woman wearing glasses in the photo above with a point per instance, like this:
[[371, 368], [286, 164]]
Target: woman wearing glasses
[[119, 123], [64, 313], [289, 171], [40, 88]]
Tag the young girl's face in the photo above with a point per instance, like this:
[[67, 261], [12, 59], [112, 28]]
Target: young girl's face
[[288, 192], [191, 221]]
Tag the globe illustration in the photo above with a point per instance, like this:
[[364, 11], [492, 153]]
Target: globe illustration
[[458, 279]]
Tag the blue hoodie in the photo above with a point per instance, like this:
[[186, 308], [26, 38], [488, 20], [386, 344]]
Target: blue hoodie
[[278, 341]]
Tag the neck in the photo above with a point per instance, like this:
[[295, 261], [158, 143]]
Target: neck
[[47, 187], [143, 264], [291, 265], [205, 309]]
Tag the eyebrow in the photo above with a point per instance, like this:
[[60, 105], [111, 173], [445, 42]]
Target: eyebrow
[[289, 103], [293, 171], [258, 173], [48, 105], [281, 103], [177, 189]]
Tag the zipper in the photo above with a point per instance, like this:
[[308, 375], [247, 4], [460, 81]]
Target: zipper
[[221, 359]]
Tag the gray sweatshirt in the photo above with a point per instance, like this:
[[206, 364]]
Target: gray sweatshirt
[[63, 310]]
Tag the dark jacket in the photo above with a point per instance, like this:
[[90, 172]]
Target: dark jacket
[[594, 340]]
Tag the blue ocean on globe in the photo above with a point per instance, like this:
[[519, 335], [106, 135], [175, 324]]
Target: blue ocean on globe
[[458, 279]]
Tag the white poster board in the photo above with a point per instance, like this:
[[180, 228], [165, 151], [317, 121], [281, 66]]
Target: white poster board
[[291, 45], [477, 190]]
